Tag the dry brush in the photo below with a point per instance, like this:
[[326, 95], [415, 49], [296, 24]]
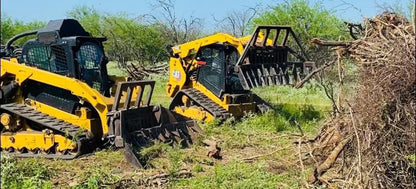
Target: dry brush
[[371, 142]]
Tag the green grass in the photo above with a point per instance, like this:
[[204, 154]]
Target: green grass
[[113, 69], [311, 94], [239, 139], [411, 159], [234, 175], [159, 94], [24, 174], [96, 177]]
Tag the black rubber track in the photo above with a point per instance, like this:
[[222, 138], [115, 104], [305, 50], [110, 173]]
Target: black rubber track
[[203, 101], [58, 126]]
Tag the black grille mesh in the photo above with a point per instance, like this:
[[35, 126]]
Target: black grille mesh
[[89, 57], [38, 56], [60, 58], [50, 58]]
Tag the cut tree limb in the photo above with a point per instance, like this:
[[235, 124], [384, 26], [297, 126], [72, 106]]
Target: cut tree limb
[[330, 43], [182, 173], [332, 157], [163, 178], [309, 76], [213, 149], [138, 72], [263, 155]]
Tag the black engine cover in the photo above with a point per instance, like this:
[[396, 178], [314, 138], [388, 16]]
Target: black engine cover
[[52, 96]]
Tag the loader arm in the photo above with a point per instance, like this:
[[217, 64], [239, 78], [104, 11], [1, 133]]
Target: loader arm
[[23, 73], [187, 49]]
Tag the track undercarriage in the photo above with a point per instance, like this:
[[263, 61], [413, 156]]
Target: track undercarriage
[[40, 135]]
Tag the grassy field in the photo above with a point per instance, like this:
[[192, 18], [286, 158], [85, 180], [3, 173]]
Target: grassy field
[[258, 151]]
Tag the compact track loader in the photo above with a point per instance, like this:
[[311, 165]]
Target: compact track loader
[[210, 78], [57, 100]]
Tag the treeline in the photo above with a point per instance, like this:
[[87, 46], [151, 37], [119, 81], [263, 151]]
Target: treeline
[[144, 39], [11, 27], [128, 39]]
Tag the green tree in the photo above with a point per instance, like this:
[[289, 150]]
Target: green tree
[[128, 39], [89, 18], [308, 21], [11, 27], [133, 41]]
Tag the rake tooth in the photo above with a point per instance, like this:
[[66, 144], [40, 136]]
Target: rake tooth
[[176, 133], [161, 137], [155, 133], [143, 133], [167, 133], [184, 130], [195, 129]]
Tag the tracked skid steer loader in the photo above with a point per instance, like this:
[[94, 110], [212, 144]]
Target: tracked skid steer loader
[[57, 100], [211, 78]]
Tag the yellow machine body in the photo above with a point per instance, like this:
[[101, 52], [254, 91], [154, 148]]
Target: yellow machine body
[[178, 77], [21, 73], [186, 68]]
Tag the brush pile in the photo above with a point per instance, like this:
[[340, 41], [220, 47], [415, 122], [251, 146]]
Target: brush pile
[[140, 72], [371, 143]]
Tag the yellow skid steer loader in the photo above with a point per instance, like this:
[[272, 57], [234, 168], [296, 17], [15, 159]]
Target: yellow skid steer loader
[[57, 100], [210, 78]]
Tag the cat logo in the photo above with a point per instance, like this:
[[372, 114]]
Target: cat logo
[[176, 74]]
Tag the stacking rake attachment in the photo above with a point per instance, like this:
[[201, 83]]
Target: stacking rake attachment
[[268, 60], [135, 124]]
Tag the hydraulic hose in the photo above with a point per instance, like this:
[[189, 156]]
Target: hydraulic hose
[[16, 37]]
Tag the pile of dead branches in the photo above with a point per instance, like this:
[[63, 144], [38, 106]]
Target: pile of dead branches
[[140, 72], [371, 142]]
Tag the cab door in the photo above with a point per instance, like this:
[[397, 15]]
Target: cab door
[[211, 73]]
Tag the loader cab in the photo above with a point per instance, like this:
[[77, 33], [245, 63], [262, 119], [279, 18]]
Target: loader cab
[[65, 48], [216, 69], [90, 63]]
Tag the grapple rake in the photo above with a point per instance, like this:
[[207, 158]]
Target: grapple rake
[[135, 124], [265, 60]]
